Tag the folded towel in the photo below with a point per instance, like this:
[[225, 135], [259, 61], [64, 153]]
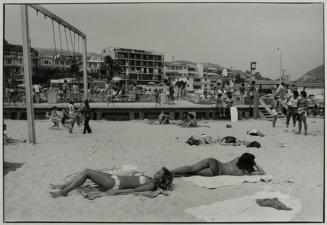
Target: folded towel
[[218, 181], [245, 209]]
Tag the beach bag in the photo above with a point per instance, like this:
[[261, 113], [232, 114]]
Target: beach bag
[[254, 144]]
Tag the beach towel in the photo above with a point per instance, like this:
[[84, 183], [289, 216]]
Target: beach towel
[[218, 181], [89, 187], [245, 209]]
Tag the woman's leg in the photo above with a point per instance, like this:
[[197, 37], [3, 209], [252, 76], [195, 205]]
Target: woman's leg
[[102, 179], [300, 124], [288, 116], [304, 118], [191, 170], [294, 115]]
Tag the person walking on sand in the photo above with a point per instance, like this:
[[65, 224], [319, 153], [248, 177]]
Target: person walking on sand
[[275, 108], [292, 105], [210, 167], [113, 184], [302, 112], [86, 111]]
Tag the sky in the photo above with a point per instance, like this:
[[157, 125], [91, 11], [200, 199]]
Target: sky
[[227, 34]]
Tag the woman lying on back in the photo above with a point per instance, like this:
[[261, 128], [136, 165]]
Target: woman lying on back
[[113, 184], [243, 165]]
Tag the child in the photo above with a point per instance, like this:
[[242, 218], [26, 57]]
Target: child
[[274, 106], [302, 112], [220, 104]]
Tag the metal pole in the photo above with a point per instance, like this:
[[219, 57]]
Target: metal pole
[[280, 66], [28, 75], [84, 69]]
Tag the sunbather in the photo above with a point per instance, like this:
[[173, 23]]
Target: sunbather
[[243, 165], [189, 121], [113, 184], [163, 118]]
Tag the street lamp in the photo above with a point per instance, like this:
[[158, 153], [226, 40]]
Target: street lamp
[[280, 65]]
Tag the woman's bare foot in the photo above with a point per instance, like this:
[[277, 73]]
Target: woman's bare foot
[[57, 194]]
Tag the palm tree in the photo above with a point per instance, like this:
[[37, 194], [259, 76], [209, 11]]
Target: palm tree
[[111, 67]]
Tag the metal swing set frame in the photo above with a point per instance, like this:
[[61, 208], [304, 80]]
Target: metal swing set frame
[[27, 59]]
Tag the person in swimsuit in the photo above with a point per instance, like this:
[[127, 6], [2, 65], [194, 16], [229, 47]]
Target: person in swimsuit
[[243, 165], [302, 112], [113, 184]]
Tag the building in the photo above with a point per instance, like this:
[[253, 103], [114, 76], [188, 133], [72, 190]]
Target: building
[[50, 62], [93, 66], [138, 66], [197, 76], [13, 62]]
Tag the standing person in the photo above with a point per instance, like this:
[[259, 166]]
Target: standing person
[[171, 93], [156, 97], [220, 104], [275, 107], [37, 90], [65, 90], [71, 108], [281, 91], [302, 112], [205, 91], [86, 111], [242, 93], [251, 92], [292, 104]]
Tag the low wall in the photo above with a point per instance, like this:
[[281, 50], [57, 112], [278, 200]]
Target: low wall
[[132, 113]]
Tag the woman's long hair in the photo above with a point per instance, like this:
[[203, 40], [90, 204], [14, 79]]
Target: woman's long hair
[[165, 182], [246, 162]]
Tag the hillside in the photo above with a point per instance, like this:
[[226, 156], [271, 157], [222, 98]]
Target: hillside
[[316, 75]]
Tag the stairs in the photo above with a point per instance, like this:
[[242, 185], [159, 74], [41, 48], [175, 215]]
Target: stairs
[[266, 111]]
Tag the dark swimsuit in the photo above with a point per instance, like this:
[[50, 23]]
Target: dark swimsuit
[[214, 166]]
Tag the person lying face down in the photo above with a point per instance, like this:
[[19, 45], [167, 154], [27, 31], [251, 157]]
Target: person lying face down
[[114, 184], [243, 165]]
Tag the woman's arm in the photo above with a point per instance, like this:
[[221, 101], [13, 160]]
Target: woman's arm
[[259, 170], [145, 187]]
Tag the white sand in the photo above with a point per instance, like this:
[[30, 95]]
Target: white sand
[[58, 154]]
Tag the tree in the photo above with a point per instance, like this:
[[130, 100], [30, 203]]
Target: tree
[[74, 69], [110, 67]]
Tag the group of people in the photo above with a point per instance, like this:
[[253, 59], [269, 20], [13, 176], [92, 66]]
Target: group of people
[[296, 104], [162, 179], [70, 116]]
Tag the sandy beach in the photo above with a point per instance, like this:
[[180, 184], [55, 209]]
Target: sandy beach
[[297, 169]]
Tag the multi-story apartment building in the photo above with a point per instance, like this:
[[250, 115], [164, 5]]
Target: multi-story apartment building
[[13, 66], [138, 66]]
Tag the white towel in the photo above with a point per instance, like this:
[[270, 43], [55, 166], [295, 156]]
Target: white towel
[[245, 209], [218, 181]]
